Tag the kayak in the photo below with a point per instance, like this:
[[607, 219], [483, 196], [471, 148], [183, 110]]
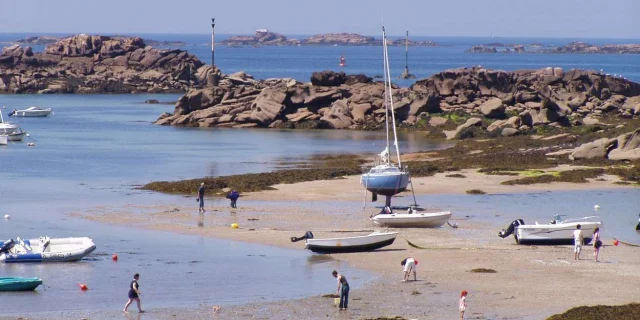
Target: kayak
[[19, 284]]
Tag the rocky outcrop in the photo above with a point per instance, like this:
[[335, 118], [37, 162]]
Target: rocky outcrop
[[624, 147], [501, 102], [267, 38], [98, 64], [573, 47]]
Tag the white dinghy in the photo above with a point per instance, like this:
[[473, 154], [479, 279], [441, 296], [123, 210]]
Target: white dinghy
[[412, 219], [554, 233], [45, 249], [370, 242]]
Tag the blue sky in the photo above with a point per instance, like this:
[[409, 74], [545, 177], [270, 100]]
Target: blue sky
[[500, 18]]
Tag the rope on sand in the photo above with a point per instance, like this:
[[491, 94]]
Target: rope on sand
[[623, 242], [449, 248]]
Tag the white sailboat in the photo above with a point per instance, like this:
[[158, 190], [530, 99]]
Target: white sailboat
[[387, 178]]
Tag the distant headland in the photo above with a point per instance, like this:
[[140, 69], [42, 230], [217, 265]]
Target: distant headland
[[45, 40], [573, 47], [265, 37]]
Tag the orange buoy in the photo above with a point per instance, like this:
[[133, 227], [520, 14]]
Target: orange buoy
[[83, 287], [616, 242], [114, 257]]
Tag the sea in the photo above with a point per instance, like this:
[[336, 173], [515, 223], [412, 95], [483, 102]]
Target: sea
[[96, 150]]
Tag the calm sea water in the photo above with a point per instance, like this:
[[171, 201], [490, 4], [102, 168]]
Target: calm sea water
[[96, 148]]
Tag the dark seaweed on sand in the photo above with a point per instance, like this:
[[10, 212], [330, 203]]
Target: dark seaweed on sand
[[624, 312]]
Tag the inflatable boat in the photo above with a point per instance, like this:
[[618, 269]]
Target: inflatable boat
[[45, 249]]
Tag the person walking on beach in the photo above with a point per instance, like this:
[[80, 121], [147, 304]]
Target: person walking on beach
[[233, 196], [134, 294], [596, 243], [409, 265], [463, 303], [578, 240], [201, 197], [343, 289]]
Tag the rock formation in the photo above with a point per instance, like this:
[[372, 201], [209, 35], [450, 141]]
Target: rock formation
[[573, 47], [624, 147], [267, 38], [96, 64], [505, 102]]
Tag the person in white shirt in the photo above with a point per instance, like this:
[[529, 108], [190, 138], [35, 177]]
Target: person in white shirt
[[578, 240], [409, 265]]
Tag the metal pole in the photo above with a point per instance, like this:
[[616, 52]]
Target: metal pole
[[213, 42], [406, 52]]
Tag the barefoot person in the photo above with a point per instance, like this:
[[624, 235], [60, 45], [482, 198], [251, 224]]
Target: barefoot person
[[343, 289], [409, 265], [134, 293], [578, 240], [201, 197], [596, 243], [463, 303]]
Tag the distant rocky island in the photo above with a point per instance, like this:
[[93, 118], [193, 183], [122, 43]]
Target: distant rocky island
[[45, 40], [267, 38], [573, 47], [99, 64]]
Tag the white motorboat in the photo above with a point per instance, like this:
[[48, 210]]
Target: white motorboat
[[554, 233], [17, 135], [387, 178], [7, 128], [31, 112], [45, 249], [415, 219], [370, 242]]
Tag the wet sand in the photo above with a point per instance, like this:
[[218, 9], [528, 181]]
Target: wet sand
[[531, 282]]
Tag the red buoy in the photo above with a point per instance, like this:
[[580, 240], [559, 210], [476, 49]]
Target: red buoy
[[616, 242], [83, 287], [114, 257]]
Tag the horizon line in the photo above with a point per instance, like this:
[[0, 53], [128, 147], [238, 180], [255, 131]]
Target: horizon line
[[285, 34]]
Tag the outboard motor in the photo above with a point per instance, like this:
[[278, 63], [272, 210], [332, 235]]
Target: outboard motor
[[307, 235], [6, 246], [512, 227]]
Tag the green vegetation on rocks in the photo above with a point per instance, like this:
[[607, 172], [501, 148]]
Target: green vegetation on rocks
[[573, 176], [624, 312]]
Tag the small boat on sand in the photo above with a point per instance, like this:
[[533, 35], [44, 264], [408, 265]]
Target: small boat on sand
[[556, 232], [31, 112], [370, 242], [415, 219], [45, 249], [19, 284]]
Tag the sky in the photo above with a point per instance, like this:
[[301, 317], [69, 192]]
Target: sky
[[498, 18]]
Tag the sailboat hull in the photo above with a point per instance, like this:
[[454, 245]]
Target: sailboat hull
[[386, 184]]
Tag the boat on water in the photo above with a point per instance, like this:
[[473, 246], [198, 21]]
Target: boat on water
[[557, 232], [412, 219], [19, 284], [343, 61], [385, 177], [7, 128], [45, 249], [370, 242], [31, 112]]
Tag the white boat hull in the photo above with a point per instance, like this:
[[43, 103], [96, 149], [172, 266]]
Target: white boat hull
[[58, 250], [561, 233], [369, 242], [413, 220], [32, 112]]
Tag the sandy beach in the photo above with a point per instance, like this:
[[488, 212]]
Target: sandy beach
[[531, 282]]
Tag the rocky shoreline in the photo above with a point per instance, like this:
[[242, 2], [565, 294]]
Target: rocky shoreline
[[573, 47], [45, 40], [99, 64], [267, 38]]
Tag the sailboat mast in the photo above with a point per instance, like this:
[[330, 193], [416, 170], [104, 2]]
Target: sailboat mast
[[406, 52], [386, 99], [393, 117]]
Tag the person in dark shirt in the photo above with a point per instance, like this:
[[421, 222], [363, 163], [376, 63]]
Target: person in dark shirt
[[233, 196], [134, 294], [201, 197]]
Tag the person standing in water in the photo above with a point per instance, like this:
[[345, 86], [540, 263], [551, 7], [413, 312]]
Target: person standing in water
[[201, 197], [578, 240], [233, 196], [463, 303], [134, 294], [596, 243], [343, 289]]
